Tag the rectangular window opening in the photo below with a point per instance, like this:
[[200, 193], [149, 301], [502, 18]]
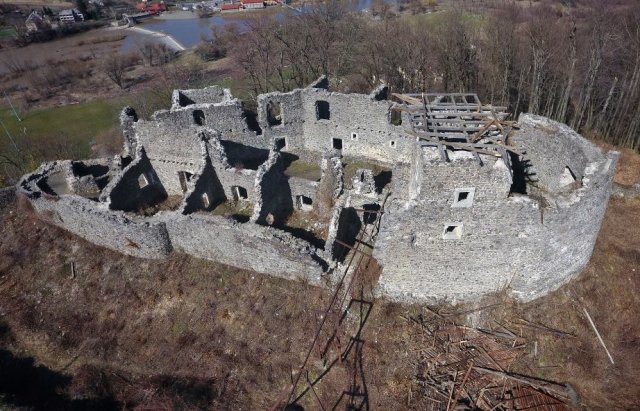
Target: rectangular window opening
[[304, 203], [281, 143], [184, 178], [198, 117], [396, 117], [463, 197], [239, 193], [274, 114], [322, 110], [205, 201], [452, 232], [143, 181], [336, 143]]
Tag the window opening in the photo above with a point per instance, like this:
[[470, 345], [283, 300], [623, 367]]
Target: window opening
[[239, 193], [463, 197], [281, 143], [198, 117], [143, 181], [305, 203], [336, 143], [396, 117], [322, 110], [452, 232], [274, 113], [205, 200], [184, 177]]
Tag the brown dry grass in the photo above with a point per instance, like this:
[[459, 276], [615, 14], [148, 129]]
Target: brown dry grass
[[186, 333], [628, 169]]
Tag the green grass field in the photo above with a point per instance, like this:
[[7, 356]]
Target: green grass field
[[79, 122], [58, 132], [8, 32]]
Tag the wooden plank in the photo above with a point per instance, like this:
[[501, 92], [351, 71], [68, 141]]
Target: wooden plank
[[411, 99], [464, 146]]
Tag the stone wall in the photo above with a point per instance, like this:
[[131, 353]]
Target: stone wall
[[361, 122], [94, 221], [462, 234], [274, 202], [567, 234], [247, 246], [137, 186], [292, 118], [549, 147], [207, 191], [212, 94], [344, 226], [128, 118]]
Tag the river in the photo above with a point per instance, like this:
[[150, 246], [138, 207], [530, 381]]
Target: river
[[190, 31]]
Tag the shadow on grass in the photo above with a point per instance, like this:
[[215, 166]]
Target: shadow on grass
[[25, 384]]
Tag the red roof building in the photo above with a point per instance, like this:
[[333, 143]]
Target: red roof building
[[230, 7], [252, 4], [153, 8]]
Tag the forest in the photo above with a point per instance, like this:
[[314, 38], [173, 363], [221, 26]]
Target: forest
[[576, 62]]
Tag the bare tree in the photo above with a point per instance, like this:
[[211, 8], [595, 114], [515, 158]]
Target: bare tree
[[114, 67]]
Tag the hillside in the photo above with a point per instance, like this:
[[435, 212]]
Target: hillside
[[118, 332]]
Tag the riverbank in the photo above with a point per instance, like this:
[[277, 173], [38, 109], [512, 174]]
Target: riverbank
[[176, 15], [163, 38]]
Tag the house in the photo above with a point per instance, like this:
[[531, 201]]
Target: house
[[153, 8], [252, 4], [36, 22], [70, 16], [230, 7]]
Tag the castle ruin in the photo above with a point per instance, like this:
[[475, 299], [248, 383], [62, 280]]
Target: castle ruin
[[470, 204]]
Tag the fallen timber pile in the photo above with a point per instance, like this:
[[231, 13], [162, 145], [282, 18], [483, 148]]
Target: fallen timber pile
[[458, 121], [465, 368]]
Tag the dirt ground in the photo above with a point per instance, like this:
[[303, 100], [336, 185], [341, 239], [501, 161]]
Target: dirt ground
[[126, 333]]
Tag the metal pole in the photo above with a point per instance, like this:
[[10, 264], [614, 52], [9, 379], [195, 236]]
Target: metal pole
[[10, 137], [15, 113]]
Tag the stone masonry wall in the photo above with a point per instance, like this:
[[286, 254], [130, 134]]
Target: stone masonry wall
[[549, 147], [124, 192], [247, 246], [274, 201], [94, 221], [564, 241], [292, 117], [361, 122], [418, 263], [515, 241], [206, 183]]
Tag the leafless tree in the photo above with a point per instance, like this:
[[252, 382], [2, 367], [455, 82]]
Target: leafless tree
[[114, 67]]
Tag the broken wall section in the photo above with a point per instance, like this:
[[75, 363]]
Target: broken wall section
[[136, 187], [280, 115], [313, 120], [207, 191], [274, 202], [211, 94], [128, 118], [247, 246], [94, 222], [344, 227], [554, 155]]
